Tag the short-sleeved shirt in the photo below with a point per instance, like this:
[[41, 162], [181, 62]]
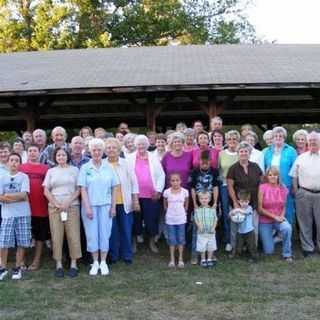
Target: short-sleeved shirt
[[143, 174], [274, 200], [247, 224], [207, 217], [181, 165], [204, 180], [99, 182], [3, 169], [15, 184], [176, 213], [249, 182], [36, 173], [226, 160], [84, 159], [62, 182]]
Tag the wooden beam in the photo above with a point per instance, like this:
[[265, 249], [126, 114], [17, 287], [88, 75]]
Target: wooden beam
[[30, 117]]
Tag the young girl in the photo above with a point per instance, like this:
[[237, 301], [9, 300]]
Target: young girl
[[175, 204]]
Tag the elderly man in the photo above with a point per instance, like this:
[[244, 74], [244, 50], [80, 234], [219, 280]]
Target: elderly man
[[59, 137], [306, 183], [27, 138], [40, 138], [216, 123], [77, 152]]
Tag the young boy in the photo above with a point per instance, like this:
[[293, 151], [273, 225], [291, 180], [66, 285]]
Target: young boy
[[206, 221], [245, 234], [203, 179], [16, 221]]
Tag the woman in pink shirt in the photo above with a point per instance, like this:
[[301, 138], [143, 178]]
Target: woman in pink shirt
[[272, 207], [151, 180], [203, 144]]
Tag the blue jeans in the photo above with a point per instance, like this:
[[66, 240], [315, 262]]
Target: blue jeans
[[225, 212], [266, 236], [121, 235], [176, 234]]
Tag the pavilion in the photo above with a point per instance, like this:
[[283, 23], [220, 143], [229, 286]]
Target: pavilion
[[159, 86]]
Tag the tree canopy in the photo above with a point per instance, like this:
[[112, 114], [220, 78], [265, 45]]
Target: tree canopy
[[58, 24]]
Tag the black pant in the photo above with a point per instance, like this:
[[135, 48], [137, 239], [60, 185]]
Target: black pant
[[248, 239]]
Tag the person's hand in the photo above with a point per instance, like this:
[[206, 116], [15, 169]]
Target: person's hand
[[279, 218], [195, 205], [156, 196], [136, 205], [89, 214], [200, 228], [112, 212], [65, 206], [236, 205], [214, 206]]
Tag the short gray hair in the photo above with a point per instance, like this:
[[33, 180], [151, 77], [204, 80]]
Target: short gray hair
[[244, 145], [282, 130], [141, 138], [96, 142], [129, 137], [253, 135], [313, 134], [300, 132], [175, 136], [233, 133], [188, 132]]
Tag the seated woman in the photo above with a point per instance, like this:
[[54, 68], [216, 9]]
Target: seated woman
[[272, 202]]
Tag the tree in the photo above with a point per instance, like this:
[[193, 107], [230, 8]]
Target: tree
[[59, 24]]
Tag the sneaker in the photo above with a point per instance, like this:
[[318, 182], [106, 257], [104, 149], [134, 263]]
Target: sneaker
[[288, 259], [211, 263], [59, 273], [140, 239], [104, 268], [228, 247], [3, 273], [16, 274], [204, 264], [181, 264], [171, 264], [94, 268], [73, 272], [277, 239]]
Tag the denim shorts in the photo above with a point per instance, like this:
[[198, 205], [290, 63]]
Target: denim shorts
[[176, 234]]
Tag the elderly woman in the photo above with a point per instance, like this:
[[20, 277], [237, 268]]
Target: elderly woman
[[98, 183], [227, 158], [272, 205], [256, 155], [161, 144], [267, 138], [282, 156], [151, 179], [128, 144], [189, 140], [244, 175], [217, 139], [62, 192], [126, 202], [300, 139], [177, 160], [203, 145]]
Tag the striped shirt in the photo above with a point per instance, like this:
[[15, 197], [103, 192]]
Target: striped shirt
[[207, 218]]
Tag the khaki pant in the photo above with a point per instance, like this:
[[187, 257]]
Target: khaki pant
[[72, 229]]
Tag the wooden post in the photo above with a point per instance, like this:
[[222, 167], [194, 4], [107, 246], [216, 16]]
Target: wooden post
[[30, 117], [152, 112]]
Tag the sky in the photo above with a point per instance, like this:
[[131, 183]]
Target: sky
[[286, 21]]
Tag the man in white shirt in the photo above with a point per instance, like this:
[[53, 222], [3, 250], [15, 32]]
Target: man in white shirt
[[306, 183]]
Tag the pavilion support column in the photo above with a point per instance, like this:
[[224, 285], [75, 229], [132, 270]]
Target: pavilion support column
[[212, 109], [30, 117], [152, 112]]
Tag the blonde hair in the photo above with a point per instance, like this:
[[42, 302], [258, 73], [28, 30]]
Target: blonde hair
[[113, 141], [275, 171]]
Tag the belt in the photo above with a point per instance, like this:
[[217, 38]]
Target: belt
[[309, 190]]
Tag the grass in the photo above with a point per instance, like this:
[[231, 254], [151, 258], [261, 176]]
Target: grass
[[270, 289]]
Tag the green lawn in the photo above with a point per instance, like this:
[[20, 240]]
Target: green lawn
[[270, 289]]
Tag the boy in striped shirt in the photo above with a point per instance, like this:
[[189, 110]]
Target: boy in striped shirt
[[205, 218]]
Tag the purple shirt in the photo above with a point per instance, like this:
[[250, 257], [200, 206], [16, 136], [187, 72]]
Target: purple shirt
[[181, 165]]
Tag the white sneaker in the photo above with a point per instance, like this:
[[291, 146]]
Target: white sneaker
[[3, 273], [277, 239], [94, 268], [228, 247], [104, 268], [140, 239], [16, 274]]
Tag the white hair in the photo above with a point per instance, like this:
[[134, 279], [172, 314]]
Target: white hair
[[232, 133], [267, 134], [129, 137], [96, 142], [59, 128], [141, 138], [313, 134], [282, 130], [300, 132]]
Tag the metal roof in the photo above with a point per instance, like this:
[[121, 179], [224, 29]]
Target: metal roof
[[221, 65]]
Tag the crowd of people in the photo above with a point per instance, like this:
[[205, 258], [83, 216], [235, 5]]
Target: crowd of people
[[105, 194]]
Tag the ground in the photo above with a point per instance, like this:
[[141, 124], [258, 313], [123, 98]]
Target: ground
[[235, 289]]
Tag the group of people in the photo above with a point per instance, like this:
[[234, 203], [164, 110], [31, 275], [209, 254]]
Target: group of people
[[106, 194]]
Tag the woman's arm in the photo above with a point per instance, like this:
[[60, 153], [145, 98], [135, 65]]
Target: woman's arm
[[14, 197], [86, 202], [232, 193], [194, 198], [215, 196], [51, 198], [114, 200], [165, 204], [67, 203], [186, 204]]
